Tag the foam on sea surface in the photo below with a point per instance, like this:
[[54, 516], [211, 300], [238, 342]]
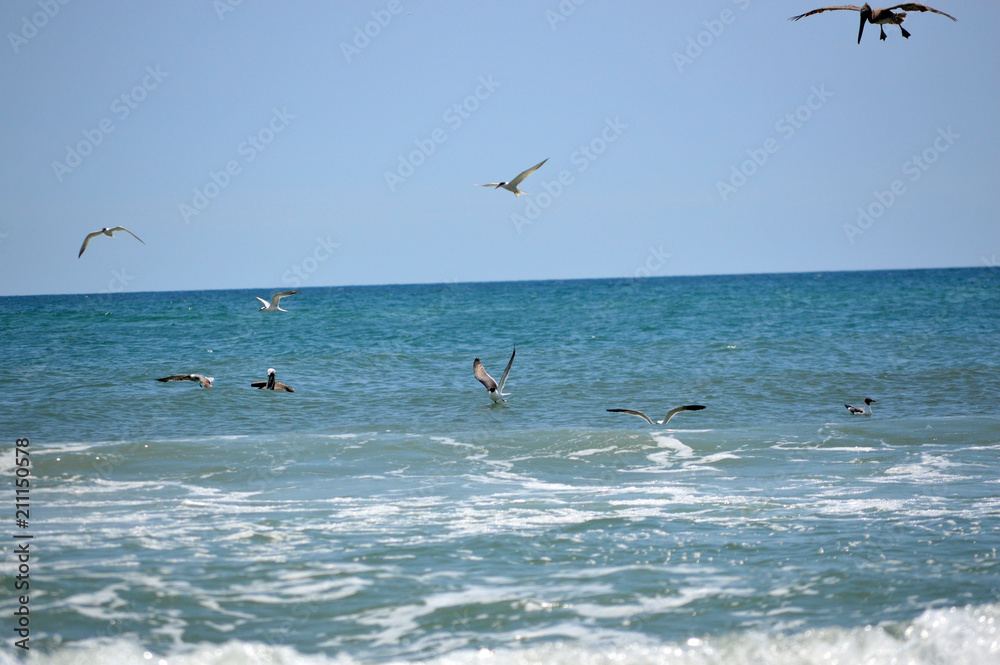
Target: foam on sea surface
[[956, 636]]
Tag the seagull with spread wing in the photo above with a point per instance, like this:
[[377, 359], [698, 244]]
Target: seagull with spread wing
[[275, 299], [494, 389], [107, 232], [518, 179], [670, 414], [879, 17]]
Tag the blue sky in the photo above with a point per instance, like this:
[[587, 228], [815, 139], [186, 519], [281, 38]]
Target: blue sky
[[278, 145]]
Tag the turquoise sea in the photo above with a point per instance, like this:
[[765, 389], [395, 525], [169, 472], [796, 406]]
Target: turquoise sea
[[387, 511]]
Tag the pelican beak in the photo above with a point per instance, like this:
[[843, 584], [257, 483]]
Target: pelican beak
[[861, 28]]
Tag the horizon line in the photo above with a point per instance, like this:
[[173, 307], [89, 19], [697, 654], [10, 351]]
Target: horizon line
[[507, 281]]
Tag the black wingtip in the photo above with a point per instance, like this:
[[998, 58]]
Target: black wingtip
[[694, 407]]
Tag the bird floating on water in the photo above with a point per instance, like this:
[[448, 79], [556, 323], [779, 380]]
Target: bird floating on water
[[494, 389], [880, 17], [670, 414], [518, 179], [858, 411], [271, 384], [109, 232], [275, 299], [205, 381]]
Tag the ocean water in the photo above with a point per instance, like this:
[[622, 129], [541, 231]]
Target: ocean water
[[388, 512]]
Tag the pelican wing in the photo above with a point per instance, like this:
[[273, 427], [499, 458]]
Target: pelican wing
[[86, 241], [205, 381], [674, 411], [506, 371], [825, 9], [483, 375], [633, 412], [178, 377], [122, 228], [915, 7], [278, 385], [524, 174], [259, 384]]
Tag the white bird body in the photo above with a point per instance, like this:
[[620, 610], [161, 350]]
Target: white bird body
[[670, 414], [109, 232], [518, 179], [494, 389], [273, 306]]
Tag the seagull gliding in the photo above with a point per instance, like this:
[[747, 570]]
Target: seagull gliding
[[275, 299], [512, 185], [109, 232], [670, 414]]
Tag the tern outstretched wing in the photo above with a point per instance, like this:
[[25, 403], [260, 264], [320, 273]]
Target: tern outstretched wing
[[674, 411], [633, 412], [503, 377], [483, 375], [524, 174]]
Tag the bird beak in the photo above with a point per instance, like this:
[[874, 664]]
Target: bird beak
[[861, 28]]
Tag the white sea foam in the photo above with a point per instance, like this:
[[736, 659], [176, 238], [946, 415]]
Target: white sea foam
[[592, 451], [956, 636]]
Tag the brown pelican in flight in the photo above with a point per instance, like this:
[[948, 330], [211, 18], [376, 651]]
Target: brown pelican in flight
[[275, 299], [271, 384], [518, 179], [107, 232], [880, 17], [205, 381], [670, 414], [858, 411], [495, 389]]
